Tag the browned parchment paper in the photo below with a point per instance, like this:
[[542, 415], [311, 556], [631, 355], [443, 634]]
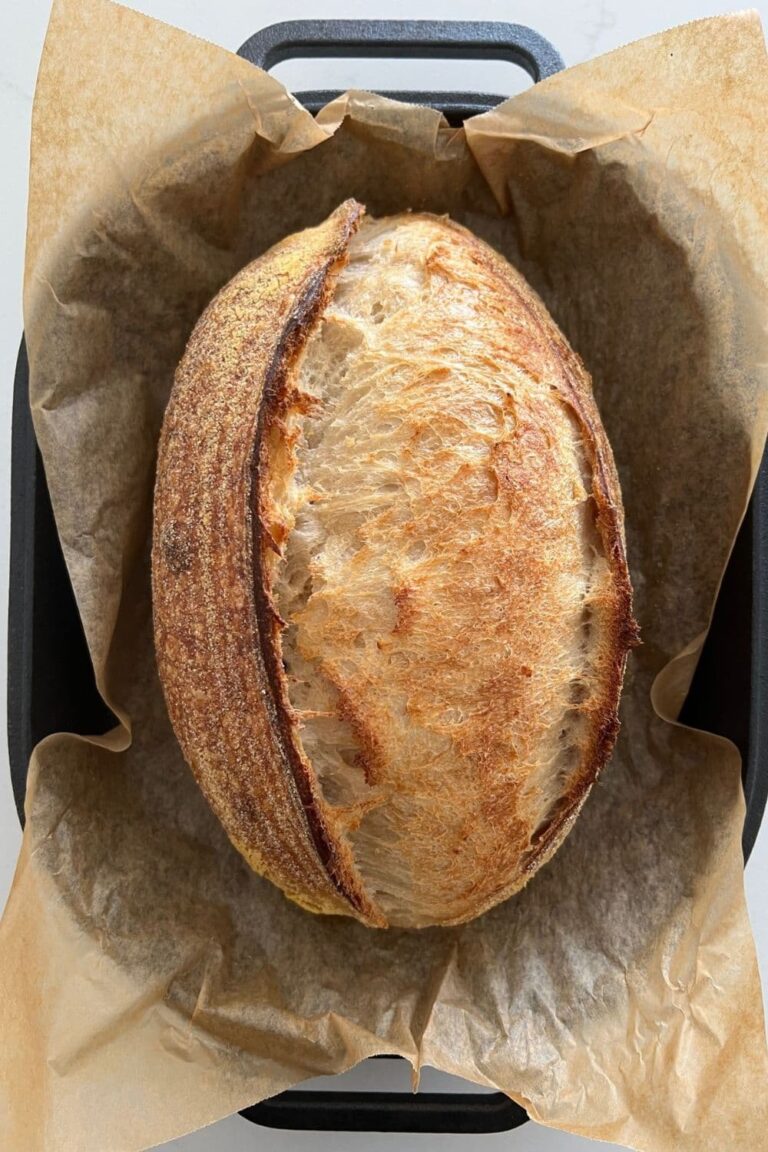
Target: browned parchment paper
[[149, 983]]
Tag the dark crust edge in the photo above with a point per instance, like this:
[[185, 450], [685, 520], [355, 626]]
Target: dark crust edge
[[576, 390], [307, 311], [624, 632]]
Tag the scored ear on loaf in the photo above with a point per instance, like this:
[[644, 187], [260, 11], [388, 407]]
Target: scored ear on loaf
[[391, 600]]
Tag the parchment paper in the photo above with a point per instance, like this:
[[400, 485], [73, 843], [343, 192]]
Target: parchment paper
[[149, 983]]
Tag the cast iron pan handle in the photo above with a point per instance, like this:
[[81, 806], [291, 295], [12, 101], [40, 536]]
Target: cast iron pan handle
[[412, 39], [388, 1112], [424, 39]]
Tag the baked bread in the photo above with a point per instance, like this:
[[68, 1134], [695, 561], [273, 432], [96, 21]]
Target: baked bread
[[391, 600]]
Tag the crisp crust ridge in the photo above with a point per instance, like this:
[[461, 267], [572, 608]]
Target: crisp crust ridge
[[213, 619]]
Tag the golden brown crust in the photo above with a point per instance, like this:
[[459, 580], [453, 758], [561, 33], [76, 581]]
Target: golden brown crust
[[447, 318], [622, 632], [224, 512], [214, 628]]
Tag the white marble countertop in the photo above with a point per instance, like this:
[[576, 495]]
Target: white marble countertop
[[580, 30]]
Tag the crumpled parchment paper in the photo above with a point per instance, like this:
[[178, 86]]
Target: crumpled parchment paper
[[149, 983]]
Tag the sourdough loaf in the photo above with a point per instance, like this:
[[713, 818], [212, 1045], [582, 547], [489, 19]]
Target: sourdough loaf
[[391, 600]]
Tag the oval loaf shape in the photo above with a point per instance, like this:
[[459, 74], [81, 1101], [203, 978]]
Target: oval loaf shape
[[391, 600]]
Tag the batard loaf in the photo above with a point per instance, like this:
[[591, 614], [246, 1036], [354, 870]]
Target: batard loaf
[[391, 600]]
